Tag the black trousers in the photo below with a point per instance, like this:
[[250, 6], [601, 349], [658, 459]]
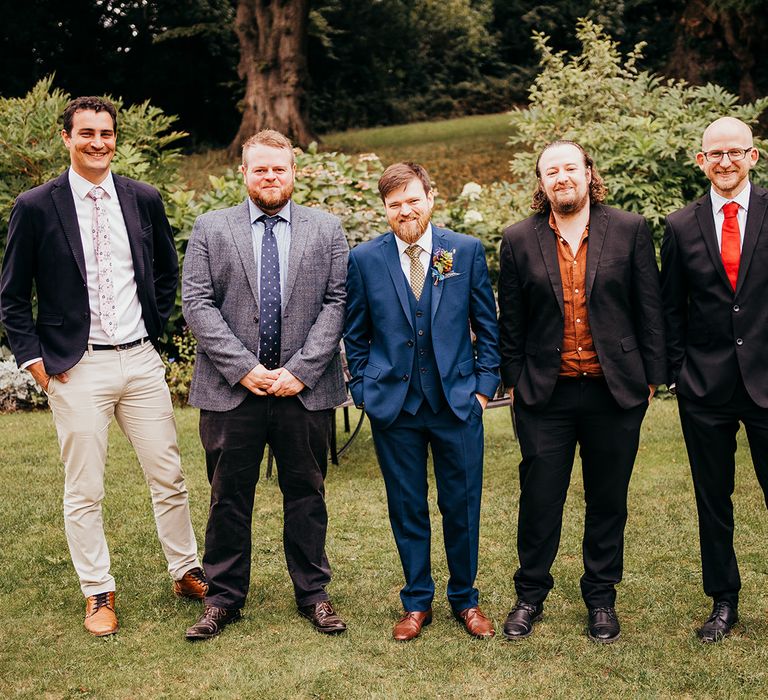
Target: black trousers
[[234, 443], [710, 438], [583, 412]]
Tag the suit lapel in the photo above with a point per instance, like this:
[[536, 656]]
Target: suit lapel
[[65, 208], [549, 254], [598, 227], [758, 202], [388, 249], [242, 234], [130, 208], [439, 240], [703, 212], [300, 233]]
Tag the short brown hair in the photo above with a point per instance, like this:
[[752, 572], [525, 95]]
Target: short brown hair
[[95, 104], [398, 175], [597, 189], [271, 138]]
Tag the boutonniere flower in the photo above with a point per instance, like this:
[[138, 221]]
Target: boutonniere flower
[[442, 264]]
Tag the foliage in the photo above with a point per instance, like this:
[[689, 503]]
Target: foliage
[[31, 151], [17, 388], [179, 366], [642, 131]]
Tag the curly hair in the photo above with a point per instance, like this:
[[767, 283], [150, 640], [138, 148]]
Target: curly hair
[[95, 104], [597, 190]]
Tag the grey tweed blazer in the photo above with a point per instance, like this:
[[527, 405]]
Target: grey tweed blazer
[[220, 300]]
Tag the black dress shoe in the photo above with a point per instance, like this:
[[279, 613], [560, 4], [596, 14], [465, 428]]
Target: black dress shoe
[[519, 622], [603, 625], [211, 622], [323, 617], [719, 624]]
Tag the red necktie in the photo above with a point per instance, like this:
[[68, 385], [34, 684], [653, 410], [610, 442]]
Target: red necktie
[[730, 245]]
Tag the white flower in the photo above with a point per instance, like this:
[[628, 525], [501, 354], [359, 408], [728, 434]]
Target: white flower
[[472, 217], [471, 191]]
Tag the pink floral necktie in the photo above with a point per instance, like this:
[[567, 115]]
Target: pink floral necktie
[[103, 247]]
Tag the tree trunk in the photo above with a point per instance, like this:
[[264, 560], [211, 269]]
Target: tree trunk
[[273, 64]]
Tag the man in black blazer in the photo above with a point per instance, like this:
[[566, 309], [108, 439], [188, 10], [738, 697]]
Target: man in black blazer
[[582, 347], [714, 272], [99, 251]]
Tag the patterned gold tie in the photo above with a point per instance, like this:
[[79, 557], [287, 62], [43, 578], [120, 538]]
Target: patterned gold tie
[[417, 270]]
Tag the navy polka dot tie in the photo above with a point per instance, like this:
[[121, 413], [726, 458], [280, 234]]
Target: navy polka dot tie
[[269, 296]]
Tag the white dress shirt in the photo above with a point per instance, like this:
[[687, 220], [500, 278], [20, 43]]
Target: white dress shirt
[[282, 231], [425, 243], [718, 202]]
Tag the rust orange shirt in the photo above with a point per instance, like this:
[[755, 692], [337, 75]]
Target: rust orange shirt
[[577, 352]]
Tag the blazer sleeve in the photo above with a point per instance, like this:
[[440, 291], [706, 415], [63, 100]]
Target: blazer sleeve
[[19, 265], [165, 265], [646, 294], [674, 292], [482, 319], [512, 321], [357, 329], [311, 361]]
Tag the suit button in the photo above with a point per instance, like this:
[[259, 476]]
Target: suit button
[[410, 343], [421, 332], [255, 319], [405, 377], [736, 308], [86, 314], [739, 341], [419, 314], [423, 370]]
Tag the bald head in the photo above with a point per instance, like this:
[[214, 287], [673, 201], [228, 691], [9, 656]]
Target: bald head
[[727, 155], [726, 128]]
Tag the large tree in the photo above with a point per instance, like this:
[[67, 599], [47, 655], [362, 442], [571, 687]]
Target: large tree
[[273, 64]]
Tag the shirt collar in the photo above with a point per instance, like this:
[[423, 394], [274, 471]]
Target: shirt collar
[[742, 199], [255, 212], [425, 242], [81, 187]]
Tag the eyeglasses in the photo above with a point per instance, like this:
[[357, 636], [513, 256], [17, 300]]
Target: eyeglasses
[[733, 154]]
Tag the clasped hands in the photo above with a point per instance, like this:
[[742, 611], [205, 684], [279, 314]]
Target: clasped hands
[[271, 382]]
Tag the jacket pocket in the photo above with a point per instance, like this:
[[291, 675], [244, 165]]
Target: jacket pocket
[[629, 343], [371, 371], [466, 368], [50, 319]]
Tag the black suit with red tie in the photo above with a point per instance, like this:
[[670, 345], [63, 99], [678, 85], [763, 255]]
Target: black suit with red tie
[[717, 340]]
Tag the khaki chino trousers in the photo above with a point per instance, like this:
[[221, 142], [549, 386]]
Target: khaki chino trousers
[[128, 385]]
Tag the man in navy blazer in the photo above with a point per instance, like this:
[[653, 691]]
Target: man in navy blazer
[[99, 251], [714, 273], [415, 297]]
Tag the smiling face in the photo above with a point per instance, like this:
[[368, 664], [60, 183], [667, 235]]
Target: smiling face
[[91, 144], [408, 210], [565, 178], [728, 177], [269, 174]]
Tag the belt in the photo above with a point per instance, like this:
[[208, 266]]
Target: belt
[[121, 346]]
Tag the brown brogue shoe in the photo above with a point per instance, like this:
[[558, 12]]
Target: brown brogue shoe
[[323, 617], [100, 618], [476, 623], [212, 622], [409, 626], [192, 585]]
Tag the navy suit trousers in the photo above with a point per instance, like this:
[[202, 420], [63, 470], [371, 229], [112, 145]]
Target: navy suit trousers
[[457, 451]]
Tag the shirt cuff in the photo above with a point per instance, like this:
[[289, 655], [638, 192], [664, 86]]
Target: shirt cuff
[[30, 362]]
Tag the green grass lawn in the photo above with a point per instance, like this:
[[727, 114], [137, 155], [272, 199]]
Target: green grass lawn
[[273, 653], [454, 151]]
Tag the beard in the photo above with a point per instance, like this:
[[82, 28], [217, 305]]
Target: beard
[[272, 201], [570, 205], [411, 230]]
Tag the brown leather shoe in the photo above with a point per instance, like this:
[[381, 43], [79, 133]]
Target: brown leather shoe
[[409, 626], [192, 585], [100, 618], [475, 622], [323, 617], [211, 622]]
